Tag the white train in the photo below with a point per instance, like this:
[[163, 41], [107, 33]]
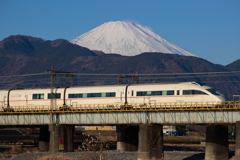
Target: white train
[[190, 92]]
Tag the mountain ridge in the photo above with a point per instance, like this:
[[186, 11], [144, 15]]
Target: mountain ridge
[[234, 66], [37, 46]]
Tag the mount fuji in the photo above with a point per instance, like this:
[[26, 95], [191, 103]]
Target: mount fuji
[[128, 39]]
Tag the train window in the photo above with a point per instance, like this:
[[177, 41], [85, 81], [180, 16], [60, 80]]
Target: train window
[[90, 95], [164, 93], [149, 93], [75, 95], [141, 93], [111, 94], [55, 95], [193, 92], [96, 94], [177, 92], [84, 95], [103, 95], [156, 93], [214, 91], [38, 96], [200, 92], [170, 92], [187, 92]]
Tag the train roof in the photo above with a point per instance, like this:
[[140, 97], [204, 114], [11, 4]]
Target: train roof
[[121, 85]]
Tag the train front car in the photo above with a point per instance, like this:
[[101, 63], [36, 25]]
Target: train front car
[[215, 95], [202, 94], [186, 94]]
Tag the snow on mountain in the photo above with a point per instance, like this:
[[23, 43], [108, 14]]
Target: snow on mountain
[[126, 38]]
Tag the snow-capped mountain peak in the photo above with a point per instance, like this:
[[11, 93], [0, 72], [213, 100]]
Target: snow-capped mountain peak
[[126, 38]]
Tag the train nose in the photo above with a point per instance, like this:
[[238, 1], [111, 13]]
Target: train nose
[[222, 98]]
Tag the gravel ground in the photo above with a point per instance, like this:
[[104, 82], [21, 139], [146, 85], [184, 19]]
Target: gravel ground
[[111, 155]]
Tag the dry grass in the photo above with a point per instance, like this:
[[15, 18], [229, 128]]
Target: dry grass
[[16, 149], [87, 156], [183, 139], [55, 157], [30, 150]]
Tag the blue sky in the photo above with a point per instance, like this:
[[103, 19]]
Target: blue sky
[[209, 29]]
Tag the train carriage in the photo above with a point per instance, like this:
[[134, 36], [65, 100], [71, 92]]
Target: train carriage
[[112, 95]]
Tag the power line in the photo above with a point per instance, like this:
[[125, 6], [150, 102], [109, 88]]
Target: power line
[[90, 79], [149, 74], [160, 74], [24, 75]]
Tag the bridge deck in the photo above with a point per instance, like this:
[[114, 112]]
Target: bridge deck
[[96, 108], [184, 113], [113, 118]]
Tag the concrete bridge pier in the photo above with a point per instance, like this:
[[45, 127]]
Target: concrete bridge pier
[[127, 138], [237, 147], [61, 133], [121, 137], [132, 138], [150, 142], [216, 143], [68, 138], [44, 136]]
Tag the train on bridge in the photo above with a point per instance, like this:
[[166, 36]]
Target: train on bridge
[[112, 95]]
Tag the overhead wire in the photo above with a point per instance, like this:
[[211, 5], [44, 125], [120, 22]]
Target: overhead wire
[[116, 74], [105, 77], [229, 72], [23, 75]]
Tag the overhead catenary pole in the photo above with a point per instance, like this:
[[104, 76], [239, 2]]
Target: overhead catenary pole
[[52, 87], [53, 75], [135, 78]]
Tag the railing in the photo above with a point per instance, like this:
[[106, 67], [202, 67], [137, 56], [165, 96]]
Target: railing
[[135, 107]]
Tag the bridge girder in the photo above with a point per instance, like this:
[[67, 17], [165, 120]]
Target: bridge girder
[[114, 118]]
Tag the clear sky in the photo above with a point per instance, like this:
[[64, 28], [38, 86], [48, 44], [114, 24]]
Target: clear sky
[[209, 29]]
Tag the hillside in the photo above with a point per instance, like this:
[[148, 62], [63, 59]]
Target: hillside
[[234, 66], [24, 54], [33, 55]]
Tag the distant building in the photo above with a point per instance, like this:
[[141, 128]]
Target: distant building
[[111, 128], [169, 128], [107, 128]]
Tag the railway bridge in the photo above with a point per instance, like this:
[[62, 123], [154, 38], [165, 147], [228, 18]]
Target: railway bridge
[[139, 126]]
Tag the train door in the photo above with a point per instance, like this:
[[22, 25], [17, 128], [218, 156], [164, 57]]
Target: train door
[[132, 96], [4, 101], [26, 96], [121, 95], [178, 93]]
